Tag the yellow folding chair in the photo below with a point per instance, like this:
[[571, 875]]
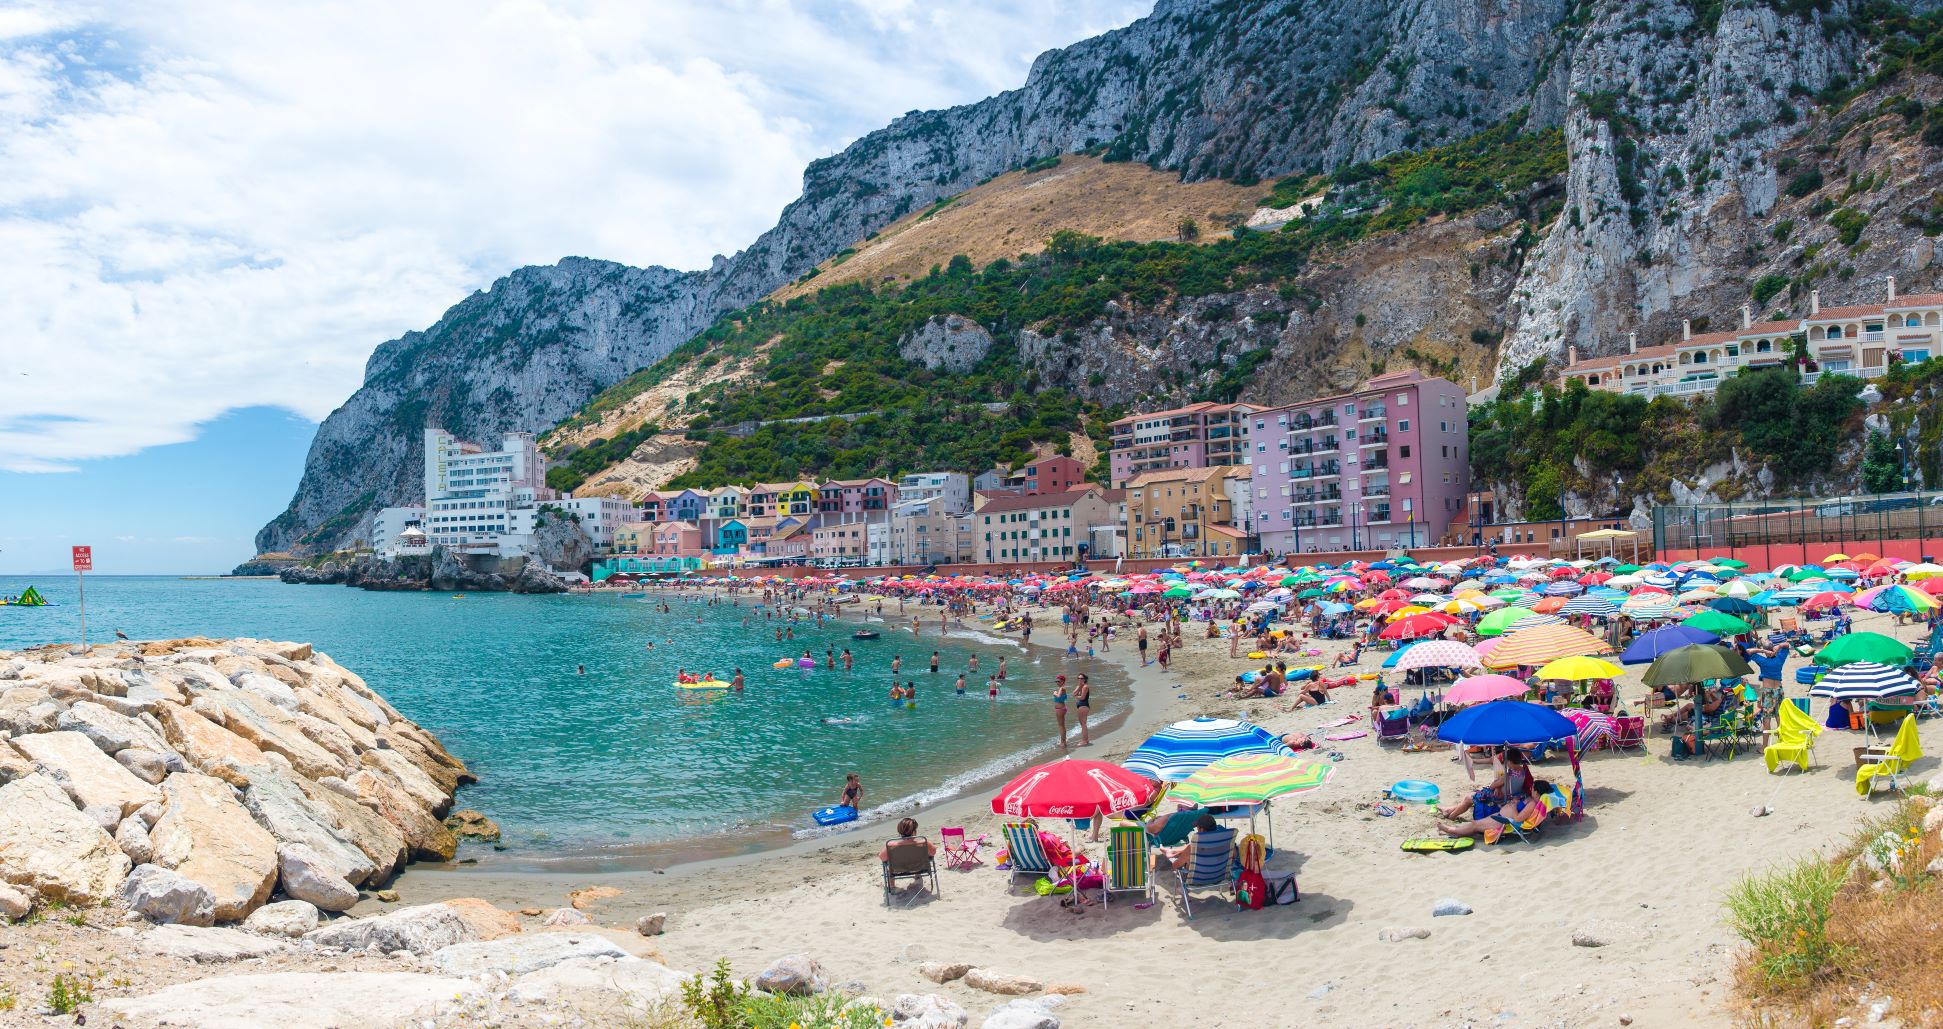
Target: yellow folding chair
[[1796, 742], [1890, 768]]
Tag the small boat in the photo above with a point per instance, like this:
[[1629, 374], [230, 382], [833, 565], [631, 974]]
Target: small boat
[[704, 684], [865, 634], [458, 596]]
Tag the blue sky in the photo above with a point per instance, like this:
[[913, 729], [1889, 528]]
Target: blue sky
[[211, 212]]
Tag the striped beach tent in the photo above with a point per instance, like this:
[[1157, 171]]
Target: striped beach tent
[[1183, 748], [1864, 680]]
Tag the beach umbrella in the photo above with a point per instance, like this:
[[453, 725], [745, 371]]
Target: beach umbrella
[[1072, 788], [1864, 680], [1544, 643], [1863, 646], [1716, 622], [1826, 598], [1506, 722], [1183, 748], [1504, 620], [1415, 626], [1590, 604], [1924, 570], [1594, 728], [1579, 668], [1247, 779], [1650, 645], [1440, 654], [1894, 598], [1695, 662], [1732, 606], [1479, 689]]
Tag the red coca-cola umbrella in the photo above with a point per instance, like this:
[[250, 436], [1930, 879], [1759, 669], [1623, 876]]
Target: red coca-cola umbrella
[[1072, 788]]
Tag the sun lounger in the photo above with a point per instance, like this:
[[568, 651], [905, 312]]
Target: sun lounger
[[1129, 865], [1024, 853], [908, 859], [1211, 865], [1893, 763], [1796, 741]]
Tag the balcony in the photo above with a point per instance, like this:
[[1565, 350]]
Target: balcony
[[1376, 491], [1373, 412], [1374, 439], [1312, 424], [1377, 464]]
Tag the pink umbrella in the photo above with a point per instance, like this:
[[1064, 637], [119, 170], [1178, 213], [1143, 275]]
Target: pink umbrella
[[1440, 654], [1480, 688], [1484, 647]]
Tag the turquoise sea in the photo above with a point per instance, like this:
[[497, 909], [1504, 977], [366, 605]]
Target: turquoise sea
[[616, 763]]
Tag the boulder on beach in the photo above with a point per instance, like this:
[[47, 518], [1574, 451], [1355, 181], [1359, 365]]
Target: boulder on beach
[[423, 930], [206, 834], [300, 1000], [49, 849]]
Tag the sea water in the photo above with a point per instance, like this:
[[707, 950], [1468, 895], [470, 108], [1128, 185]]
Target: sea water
[[608, 761]]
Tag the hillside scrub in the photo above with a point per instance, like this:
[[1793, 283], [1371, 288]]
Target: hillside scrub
[[836, 351], [1552, 439]]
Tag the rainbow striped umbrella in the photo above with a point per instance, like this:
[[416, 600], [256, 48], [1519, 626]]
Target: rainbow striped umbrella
[[1543, 644], [1251, 779]]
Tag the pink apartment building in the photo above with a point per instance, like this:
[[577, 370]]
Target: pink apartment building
[[1385, 466], [1196, 436]]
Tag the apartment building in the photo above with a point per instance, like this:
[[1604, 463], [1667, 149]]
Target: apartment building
[[1037, 527], [482, 500], [1187, 512], [1385, 466], [1861, 340], [1055, 474], [1196, 436], [951, 489], [600, 516]]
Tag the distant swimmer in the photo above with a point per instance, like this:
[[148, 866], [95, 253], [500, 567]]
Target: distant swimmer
[[583, 669], [737, 681], [836, 720]]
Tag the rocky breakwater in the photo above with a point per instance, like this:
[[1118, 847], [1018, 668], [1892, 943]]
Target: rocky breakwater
[[194, 780]]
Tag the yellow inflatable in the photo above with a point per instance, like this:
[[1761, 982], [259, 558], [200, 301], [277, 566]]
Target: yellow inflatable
[[1256, 655], [705, 684], [784, 663]]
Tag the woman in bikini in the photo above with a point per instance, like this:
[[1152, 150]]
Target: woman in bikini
[[1059, 707], [1082, 703]]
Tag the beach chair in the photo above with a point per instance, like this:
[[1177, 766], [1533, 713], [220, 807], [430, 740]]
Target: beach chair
[[1891, 765], [1392, 726], [1129, 867], [1796, 743], [1528, 828], [1024, 853], [908, 859], [1211, 866], [1630, 730], [959, 852]]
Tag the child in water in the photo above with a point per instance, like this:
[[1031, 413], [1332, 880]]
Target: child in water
[[991, 686], [961, 684]]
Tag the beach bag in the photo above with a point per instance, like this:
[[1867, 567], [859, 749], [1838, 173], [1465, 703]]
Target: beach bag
[[1251, 892], [1280, 888]]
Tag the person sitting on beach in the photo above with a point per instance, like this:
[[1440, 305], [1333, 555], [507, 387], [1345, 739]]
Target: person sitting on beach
[[907, 836], [1513, 781], [1169, 858], [1517, 811], [1349, 658]]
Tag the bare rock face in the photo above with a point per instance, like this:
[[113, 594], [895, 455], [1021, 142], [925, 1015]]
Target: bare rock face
[[952, 342], [280, 806], [205, 834], [50, 850]]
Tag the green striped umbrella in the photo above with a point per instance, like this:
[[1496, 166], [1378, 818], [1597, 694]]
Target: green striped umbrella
[[1251, 779]]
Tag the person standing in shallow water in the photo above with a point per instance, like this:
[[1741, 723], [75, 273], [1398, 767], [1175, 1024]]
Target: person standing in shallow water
[[1082, 704], [1059, 707], [934, 662]]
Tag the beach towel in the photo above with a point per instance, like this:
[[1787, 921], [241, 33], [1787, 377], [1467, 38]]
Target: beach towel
[[1340, 722], [1335, 737]]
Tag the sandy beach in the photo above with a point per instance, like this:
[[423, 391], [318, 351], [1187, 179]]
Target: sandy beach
[[1641, 876]]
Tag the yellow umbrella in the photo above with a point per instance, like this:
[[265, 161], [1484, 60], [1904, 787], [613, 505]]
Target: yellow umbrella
[[1835, 557], [1541, 644], [1366, 603], [1406, 611], [1576, 668]]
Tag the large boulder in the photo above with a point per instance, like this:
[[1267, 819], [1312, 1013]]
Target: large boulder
[[424, 930], [306, 875], [375, 835], [132, 837], [52, 850], [1005, 983], [603, 989], [927, 1011], [13, 764], [147, 765], [427, 837], [111, 731], [160, 895], [292, 918], [300, 1000], [487, 922], [279, 805], [207, 835], [28, 709], [90, 776], [270, 728], [518, 955], [204, 744], [795, 974], [205, 945]]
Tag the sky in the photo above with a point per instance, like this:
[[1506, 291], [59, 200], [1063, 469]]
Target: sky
[[211, 212]]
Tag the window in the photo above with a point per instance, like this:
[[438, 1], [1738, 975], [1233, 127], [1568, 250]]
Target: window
[[1403, 400], [1404, 425], [1404, 451]]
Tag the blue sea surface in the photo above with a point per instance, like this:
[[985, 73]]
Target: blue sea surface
[[617, 758]]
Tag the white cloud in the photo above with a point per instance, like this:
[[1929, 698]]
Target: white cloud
[[207, 205]]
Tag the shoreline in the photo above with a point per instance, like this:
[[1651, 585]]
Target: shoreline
[[523, 881]]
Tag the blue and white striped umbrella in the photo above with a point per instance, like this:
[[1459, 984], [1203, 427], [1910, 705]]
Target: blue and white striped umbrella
[[1184, 748], [1859, 680], [1590, 604], [1564, 588]]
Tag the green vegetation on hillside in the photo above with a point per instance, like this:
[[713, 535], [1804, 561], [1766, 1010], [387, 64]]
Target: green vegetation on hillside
[[836, 351], [1537, 441]]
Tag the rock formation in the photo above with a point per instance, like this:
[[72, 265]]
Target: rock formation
[[195, 779]]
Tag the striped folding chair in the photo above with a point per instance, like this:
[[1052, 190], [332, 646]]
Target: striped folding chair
[[1023, 850], [1128, 867], [1211, 866]]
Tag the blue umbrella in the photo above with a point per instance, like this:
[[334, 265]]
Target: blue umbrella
[[1732, 606], [1391, 661], [1332, 609], [1504, 722], [1184, 748], [1652, 644]]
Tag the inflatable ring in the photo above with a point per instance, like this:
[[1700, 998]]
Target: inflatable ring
[[1256, 655], [784, 663]]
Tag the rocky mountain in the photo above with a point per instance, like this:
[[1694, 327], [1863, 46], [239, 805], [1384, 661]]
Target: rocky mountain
[[1671, 111]]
